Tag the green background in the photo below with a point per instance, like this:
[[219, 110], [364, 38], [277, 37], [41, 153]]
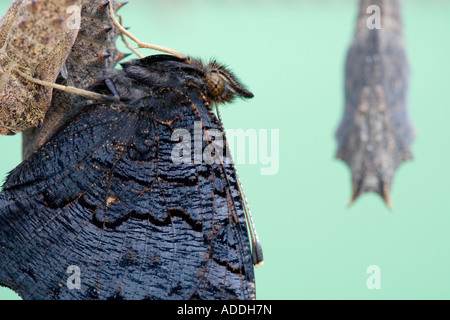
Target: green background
[[291, 56]]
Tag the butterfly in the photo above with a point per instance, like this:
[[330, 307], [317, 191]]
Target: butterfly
[[104, 197]]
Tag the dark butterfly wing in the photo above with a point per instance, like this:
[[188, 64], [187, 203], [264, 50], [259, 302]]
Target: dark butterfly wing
[[104, 196]]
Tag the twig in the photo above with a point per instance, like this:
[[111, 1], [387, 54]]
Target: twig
[[84, 93], [127, 44], [144, 44]]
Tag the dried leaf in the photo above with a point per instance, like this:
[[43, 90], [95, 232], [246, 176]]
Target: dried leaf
[[35, 36], [93, 54]]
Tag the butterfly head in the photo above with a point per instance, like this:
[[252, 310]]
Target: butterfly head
[[214, 80], [221, 84]]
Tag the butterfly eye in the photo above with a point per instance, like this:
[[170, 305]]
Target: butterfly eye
[[216, 85]]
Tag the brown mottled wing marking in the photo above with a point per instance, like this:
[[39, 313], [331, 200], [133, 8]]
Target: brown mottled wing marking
[[375, 134]]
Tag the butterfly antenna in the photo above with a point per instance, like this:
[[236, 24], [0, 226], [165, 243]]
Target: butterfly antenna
[[257, 253], [141, 44]]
